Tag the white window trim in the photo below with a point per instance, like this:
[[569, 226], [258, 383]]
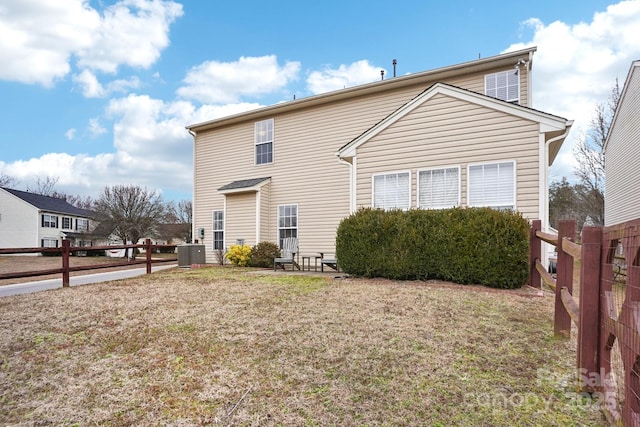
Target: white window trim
[[297, 227], [459, 199], [256, 143], [214, 230], [507, 72], [515, 182], [373, 188], [82, 221]]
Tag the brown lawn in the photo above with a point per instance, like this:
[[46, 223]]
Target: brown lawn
[[230, 346]]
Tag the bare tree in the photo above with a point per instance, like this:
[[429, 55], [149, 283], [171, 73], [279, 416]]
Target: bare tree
[[181, 215], [589, 153], [44, 186], [7, 181], [77, 200], [131, 212]]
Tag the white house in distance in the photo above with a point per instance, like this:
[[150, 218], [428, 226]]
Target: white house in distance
[[29, 220], [461, 135], [622, 155]]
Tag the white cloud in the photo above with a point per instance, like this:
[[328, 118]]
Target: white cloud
[[38, 39], [95, 128], [357, 73], [131, 32], [216, 82], [152, 148], [70, 134], [575, 67], [89, 84]]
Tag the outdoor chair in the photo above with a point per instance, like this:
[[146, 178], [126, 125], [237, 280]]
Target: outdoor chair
[[330, 261], [289, 254]]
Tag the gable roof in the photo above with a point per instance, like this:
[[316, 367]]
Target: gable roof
[[437, 74], [49, 204], [549, 123], [635, 68]]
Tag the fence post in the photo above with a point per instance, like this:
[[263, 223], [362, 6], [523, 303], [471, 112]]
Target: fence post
[[65, 263], [589, 323], [147, 244], [564, 279], [535, 252]]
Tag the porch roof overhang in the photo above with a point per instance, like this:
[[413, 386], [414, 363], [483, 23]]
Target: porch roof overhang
[[244, 185]]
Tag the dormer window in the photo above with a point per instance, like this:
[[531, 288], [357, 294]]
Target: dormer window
[[504, 85]]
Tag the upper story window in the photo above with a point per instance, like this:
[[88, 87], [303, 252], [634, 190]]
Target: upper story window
[[504, 85], [439, 188], [263, 140], [493, 185], [392, 190], [82, 224], [67, 223], [50, 221]]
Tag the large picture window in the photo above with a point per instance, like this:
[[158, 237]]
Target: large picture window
[[287, 222], [49, 243], [264, 141], [439, 188], [504, 86], [218, 230], [493, 185], [392, 190]]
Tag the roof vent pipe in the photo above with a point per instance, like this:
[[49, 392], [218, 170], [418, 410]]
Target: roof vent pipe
[[381, 74], [394, 62]]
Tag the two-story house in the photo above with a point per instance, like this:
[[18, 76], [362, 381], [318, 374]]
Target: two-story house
[[462, 135], [622, 151], [29, 220]]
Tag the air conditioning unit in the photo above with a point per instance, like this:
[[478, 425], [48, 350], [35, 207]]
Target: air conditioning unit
[[190, 254]]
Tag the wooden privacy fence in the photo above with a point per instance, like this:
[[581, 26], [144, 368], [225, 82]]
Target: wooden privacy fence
[[66, 250], [607, 312]]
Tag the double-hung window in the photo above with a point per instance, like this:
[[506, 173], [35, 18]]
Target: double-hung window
[[67, 223], [493, 185], [439, 188], [504, 85], [82, 224], [392, 190], [48, 243], [49, 221], [263, 139], [287, 222], [218, 230]]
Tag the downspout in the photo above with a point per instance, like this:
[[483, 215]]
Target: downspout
[[545, 225], [193, 191], [351, 183]]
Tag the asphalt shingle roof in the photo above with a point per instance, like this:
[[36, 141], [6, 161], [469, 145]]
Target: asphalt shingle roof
[[244, 183], [49, 204]]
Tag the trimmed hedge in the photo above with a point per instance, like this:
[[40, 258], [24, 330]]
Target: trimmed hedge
[[462, 245]]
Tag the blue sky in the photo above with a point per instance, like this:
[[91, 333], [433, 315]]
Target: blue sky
[[98, 93]]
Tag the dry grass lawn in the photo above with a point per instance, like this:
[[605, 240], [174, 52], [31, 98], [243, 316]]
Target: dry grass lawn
[[225, 346]]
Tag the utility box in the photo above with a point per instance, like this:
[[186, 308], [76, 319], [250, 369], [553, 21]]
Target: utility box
[[190, 254]]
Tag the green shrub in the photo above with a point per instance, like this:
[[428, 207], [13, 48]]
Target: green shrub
[[239, 255], [463, 245], [263, 254]]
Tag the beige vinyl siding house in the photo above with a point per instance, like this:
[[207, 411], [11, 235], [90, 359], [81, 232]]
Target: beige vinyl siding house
[[319, 167], [622, 152]]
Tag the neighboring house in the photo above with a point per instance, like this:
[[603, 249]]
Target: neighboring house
[[622, 151], [29, 220], [463, 135]]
